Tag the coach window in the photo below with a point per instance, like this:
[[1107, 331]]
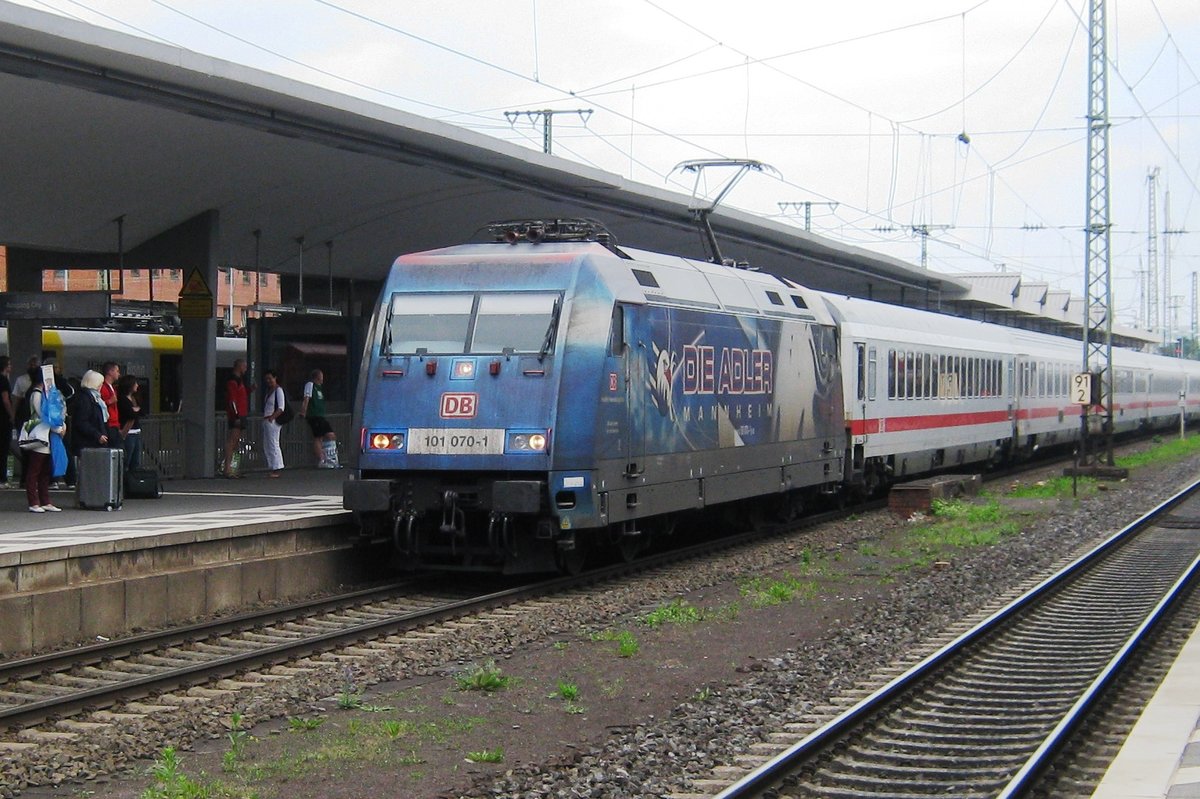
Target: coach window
[[909, 368], [861, 355], [891, 362], [871, 365]]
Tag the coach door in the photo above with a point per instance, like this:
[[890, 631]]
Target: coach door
[[1018, 396]]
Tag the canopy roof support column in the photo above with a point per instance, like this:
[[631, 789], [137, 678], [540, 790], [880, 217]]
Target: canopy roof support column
[[192, 247]]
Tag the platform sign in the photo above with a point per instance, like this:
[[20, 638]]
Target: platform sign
[[54, 305], [196, 298], [1085, 388]]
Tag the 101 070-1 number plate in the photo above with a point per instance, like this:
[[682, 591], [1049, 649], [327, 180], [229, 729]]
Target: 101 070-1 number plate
[[438, 441]]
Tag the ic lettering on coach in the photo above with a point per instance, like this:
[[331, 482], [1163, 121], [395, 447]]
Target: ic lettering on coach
[[459, 406]]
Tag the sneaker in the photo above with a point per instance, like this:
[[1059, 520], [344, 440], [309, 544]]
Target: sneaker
[[52, 508], [326, 465], [36, 509]]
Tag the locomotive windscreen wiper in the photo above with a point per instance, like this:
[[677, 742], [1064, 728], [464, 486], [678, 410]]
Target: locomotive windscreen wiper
[[549, 339]]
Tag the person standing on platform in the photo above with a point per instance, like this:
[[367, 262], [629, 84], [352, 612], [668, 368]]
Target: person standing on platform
[[108, 393], [89, 417], [8, 417], [237, 408], [21, 384], [273, 403], [131, 422], [313, 410], [67, 388], [37, 467]]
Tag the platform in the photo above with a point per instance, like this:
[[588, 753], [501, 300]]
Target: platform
[[206, 546], [1161, 757]]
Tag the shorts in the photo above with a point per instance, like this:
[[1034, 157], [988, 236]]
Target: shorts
[[320, 426], [237, 423]]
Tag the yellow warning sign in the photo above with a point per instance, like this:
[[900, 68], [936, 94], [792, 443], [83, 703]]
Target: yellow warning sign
[[195, 286], [196, 298]]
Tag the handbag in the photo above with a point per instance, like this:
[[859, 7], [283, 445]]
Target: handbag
[[34, 436], [286, 414]]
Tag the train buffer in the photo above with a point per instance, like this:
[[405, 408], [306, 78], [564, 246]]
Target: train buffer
[[917, 496]]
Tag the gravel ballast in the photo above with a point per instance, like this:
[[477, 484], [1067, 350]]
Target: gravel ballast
[[693, 697]]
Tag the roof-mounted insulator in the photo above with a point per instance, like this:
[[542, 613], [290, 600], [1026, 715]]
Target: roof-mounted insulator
[[538, 230]]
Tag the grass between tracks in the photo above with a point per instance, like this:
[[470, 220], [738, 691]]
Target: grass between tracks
[[400, 732]]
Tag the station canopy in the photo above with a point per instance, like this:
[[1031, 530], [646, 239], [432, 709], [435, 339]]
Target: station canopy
[[98, 125]]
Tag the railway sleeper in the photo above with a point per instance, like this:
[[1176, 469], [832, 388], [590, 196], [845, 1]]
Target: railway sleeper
[[865, 778], [821, 790], [920, 758], [997, 703], [965, 737], [949, 720], [935, 708], [1021, 684]]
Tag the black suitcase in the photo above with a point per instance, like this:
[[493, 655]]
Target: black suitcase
[[142, 484], [99, 483]]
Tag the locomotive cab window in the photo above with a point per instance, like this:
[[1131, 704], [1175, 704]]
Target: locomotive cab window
[[483, 323], [521, 322], [435, 323]]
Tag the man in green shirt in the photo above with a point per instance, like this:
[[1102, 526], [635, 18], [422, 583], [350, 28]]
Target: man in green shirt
[[313, 409]]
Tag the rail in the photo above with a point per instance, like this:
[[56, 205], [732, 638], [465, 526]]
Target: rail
[[1038, 660]]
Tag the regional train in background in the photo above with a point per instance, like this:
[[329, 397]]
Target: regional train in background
[[526, 400], [156, 360]]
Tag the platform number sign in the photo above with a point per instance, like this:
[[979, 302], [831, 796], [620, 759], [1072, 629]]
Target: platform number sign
[[1085, 388]]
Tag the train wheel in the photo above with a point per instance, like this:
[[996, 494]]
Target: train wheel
[[789, 507], [630, 546], [571, 561]]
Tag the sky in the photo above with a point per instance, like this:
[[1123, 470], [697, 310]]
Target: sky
[[957, 128]]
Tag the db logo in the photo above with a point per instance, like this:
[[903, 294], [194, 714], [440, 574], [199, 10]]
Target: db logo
[[459, 406]]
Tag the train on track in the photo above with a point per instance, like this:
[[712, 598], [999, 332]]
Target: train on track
[[529, 399], [155, 359]]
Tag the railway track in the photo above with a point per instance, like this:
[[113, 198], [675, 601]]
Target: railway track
[[986, 714], [59, 685], [62, 684]]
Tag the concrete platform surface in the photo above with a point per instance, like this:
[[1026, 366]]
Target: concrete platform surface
[[1161, 757], [185, 505]]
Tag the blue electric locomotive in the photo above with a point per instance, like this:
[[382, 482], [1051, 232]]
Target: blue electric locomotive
[[527, 399]]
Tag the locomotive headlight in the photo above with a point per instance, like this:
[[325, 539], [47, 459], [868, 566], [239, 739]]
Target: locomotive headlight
[[528, 442], [387, 441]]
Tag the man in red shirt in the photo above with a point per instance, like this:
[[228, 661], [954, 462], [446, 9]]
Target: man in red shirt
[[108, 393], [237, 408]]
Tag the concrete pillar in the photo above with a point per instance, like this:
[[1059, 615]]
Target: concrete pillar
[[192, 245], [24, 335]]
